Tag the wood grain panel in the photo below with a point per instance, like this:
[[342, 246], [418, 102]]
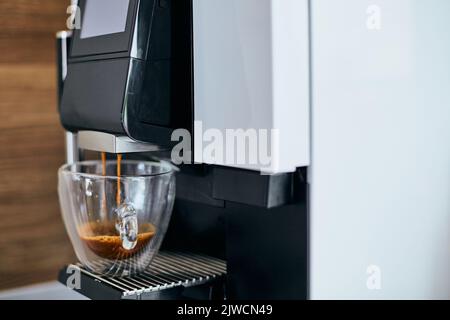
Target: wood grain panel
[[34, 16], [28, 49], [28, 28], [33, 245]]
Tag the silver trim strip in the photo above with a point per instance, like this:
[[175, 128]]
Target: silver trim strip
[[106, 142]]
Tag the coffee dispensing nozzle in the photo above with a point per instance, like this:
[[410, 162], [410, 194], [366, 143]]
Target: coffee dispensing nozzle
[[126, 83], [92, 140], [110, 143]]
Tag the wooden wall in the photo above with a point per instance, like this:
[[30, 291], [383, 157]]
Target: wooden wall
[[33, 242]]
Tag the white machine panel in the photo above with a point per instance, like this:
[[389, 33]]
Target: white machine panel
[[252, 73], [380, 175]]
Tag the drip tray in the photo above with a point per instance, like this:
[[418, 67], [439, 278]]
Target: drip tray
[[172, 275]]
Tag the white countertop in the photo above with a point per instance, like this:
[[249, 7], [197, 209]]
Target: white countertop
[[45, 291]]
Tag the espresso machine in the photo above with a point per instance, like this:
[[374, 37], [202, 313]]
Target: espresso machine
[[128, 84], [138, 74]]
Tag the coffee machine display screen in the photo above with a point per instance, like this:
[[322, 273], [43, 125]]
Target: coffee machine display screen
[[103, 17]]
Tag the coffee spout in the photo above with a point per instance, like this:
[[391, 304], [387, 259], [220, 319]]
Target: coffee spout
[[110, 143]]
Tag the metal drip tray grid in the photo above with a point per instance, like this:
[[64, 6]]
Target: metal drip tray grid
[[169, 271]]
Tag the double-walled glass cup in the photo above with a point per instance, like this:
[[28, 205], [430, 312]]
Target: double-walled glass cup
[[116, 223]]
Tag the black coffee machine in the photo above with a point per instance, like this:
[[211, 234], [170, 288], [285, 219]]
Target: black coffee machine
[[127, 82]]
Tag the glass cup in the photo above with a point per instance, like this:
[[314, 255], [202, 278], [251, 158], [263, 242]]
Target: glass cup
[[116, 223]]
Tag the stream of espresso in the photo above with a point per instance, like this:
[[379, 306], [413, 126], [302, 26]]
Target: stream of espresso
[[104, 163], [104, 174], [119, 173]]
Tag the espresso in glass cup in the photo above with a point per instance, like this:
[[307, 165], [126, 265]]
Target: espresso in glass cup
[[116, 214]]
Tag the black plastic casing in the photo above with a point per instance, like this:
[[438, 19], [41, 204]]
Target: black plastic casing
[[137, 83]]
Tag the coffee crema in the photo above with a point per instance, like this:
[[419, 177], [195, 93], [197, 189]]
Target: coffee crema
[[103, 239]]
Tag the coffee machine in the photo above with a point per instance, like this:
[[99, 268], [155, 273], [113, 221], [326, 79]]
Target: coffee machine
[[131, 82], [137, 75]]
